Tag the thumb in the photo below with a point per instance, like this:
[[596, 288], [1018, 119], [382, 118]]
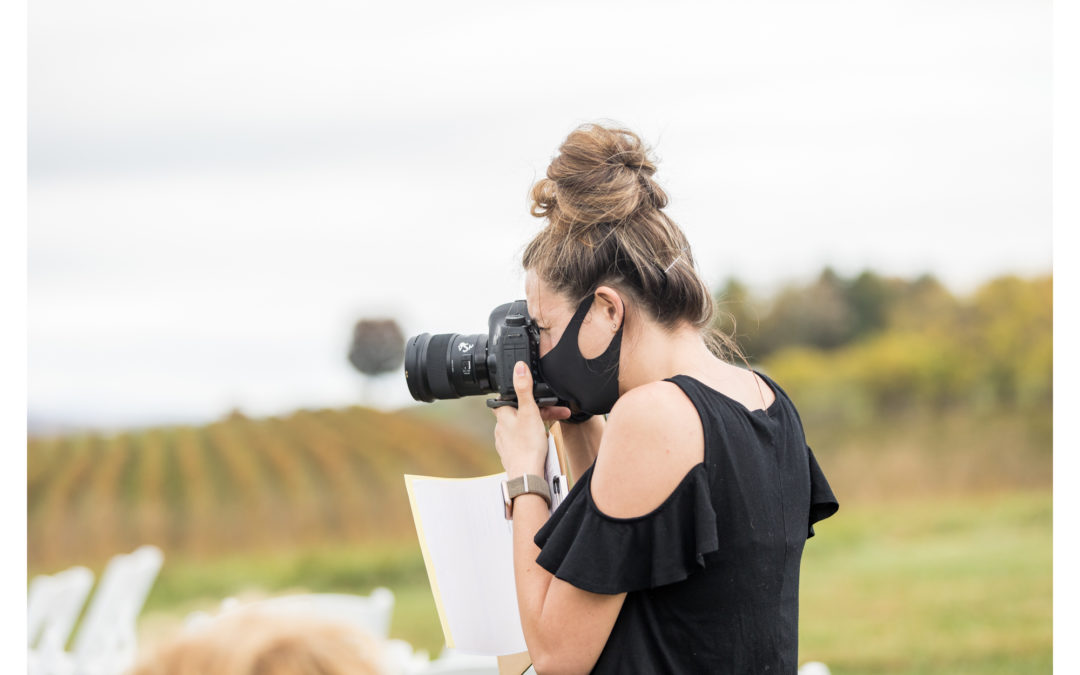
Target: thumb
[[523, 384]]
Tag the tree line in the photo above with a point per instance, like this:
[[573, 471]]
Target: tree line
[[868, 345]]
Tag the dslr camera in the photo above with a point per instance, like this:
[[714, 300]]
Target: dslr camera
[[451, 365]]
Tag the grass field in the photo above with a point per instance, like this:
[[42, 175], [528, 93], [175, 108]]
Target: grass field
[[961, 585], [927, 585]]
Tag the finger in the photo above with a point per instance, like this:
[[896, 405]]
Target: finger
[[502, 411], [523, 383], [554, 413]]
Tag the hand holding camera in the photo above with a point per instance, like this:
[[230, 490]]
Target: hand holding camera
[[520, 435]]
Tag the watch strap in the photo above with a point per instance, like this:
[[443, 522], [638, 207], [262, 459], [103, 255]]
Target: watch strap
[[527, 483], [516, 487]]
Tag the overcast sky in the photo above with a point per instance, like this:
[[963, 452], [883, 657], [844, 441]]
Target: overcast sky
[[218, 190]]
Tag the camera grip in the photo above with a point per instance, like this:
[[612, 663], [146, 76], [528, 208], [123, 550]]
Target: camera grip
[[542, 402]]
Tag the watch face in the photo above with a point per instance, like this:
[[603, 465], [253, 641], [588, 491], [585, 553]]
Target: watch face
[[508, 504]]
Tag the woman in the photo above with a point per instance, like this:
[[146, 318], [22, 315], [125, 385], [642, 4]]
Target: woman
[[678, 548]]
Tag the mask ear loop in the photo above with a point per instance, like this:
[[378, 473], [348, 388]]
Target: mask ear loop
[[573, 328], [583, 310], [578, 319]]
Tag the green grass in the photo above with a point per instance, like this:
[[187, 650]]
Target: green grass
[[957, 585]]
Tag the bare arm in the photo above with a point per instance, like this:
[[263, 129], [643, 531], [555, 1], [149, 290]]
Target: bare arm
[[641, 462], [565, 627]]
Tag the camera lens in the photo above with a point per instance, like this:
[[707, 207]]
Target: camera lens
[[446, 365]]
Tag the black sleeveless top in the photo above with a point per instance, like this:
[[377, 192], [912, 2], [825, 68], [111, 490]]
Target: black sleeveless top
[[712, 574]]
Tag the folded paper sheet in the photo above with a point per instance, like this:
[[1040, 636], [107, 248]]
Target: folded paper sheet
[[468, 550]]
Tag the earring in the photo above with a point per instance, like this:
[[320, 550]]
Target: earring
[[614, 327]]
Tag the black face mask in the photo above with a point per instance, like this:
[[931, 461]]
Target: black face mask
[[590, 385]]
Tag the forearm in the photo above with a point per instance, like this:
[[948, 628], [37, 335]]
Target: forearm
[[531, 580], [580, 444]]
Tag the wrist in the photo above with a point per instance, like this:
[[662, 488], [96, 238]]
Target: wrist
[[527, 497], [518, 470], [516, 488]]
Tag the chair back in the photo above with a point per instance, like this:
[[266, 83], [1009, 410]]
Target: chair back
[[107, 635], [53, 604]]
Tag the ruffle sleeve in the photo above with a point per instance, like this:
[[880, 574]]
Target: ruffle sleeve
[[822, 501], [599, 553]]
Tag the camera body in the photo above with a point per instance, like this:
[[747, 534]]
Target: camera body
[[451, 365], [513, 336]]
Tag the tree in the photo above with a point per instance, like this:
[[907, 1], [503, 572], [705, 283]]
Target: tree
[[817, 315], [737, 314], [870, 298], [378, 347]]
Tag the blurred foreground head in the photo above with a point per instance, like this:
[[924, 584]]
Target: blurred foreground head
[[253, 643]]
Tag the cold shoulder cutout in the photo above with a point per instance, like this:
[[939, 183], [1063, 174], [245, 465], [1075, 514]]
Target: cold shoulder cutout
[[596, 552], [652, 440]]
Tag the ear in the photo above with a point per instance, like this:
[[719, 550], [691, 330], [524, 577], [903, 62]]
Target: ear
[[609, 308]]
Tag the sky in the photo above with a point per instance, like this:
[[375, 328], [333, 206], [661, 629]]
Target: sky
[[218, 190]]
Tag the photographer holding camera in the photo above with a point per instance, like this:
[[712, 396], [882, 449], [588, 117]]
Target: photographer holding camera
[[678, 548]]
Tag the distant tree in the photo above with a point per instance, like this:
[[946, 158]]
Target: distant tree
[[378, 346], [870, 298], [874, 345], [924, 304], [1015, 326], [818, 315], [737, 314]]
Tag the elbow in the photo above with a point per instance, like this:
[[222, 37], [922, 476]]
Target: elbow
[[543, 660], [545, 663], [549, 662]]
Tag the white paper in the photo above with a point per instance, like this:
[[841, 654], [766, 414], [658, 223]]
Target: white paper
[[470, 545], [468, 548]]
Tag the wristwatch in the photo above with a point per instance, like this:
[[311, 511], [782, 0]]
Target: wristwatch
[[515, 487]]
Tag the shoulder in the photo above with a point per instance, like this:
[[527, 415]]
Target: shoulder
[[653, 438], [653, 403]]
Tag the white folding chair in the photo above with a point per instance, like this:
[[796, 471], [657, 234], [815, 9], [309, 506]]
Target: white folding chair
[[105, 643], [38, 602], [53, 604]]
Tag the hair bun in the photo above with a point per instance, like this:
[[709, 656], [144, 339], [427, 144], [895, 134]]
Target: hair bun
[[601, 175]]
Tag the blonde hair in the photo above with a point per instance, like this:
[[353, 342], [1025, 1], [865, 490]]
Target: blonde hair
[[262, 643], [606, 225]]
